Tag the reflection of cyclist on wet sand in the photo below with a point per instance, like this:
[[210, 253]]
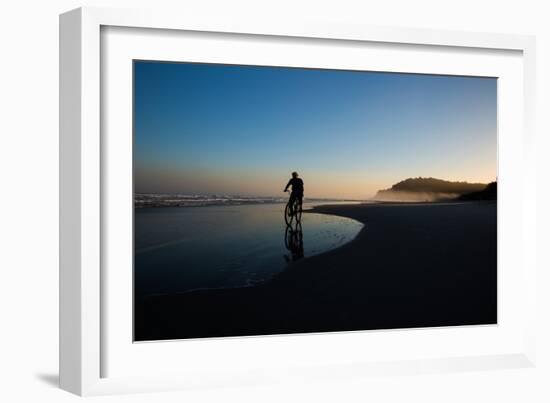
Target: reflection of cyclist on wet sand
[[297, 190], [294, 243]]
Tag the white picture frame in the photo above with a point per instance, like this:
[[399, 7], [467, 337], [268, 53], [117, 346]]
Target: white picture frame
[[83, 307]]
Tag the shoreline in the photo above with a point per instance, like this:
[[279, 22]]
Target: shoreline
[[230, 202], [411, 265]]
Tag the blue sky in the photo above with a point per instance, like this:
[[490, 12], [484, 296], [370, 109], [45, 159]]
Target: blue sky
[[205, 128]]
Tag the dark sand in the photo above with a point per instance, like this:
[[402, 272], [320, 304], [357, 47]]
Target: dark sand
[[412, 265]]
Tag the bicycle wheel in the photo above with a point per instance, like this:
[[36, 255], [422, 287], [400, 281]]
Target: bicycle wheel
[[289, 217], [298, 210]]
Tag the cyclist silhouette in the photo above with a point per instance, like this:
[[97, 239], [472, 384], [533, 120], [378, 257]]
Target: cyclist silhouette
[[297, 193]]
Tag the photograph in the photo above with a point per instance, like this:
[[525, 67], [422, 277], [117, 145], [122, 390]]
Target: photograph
[[272, 200]]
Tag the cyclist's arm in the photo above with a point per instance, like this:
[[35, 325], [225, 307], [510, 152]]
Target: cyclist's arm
[[287, 185]]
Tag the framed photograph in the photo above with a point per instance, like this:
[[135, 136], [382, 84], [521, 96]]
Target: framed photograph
[[246, 202]]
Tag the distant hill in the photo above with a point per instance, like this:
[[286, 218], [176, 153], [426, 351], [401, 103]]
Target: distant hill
[[427, 189], [488, 193]]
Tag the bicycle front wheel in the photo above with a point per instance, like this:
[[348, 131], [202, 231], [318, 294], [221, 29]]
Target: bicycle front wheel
[[289, 217]]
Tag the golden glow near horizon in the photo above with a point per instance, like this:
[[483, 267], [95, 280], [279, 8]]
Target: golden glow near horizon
[[337, 185]]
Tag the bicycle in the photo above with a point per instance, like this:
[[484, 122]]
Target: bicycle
[[293, 211]]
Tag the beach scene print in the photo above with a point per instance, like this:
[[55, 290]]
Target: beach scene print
[[276, 200]]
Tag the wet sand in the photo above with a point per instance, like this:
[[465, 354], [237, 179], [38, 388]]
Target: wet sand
[[412, 265]]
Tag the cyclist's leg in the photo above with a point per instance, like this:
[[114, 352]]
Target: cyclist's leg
[[291, 200]]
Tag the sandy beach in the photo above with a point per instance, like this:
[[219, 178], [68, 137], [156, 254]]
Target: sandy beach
[[412, 265]]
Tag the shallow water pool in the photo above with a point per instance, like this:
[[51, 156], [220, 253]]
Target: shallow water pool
[[178, 249]]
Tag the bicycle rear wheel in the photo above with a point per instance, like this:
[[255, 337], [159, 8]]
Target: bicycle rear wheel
[[298, 211]]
